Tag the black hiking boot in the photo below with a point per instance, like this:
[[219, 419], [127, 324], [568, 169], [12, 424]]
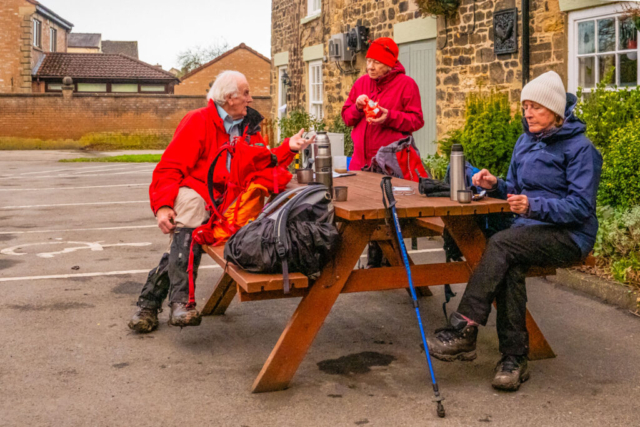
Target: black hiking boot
[[144, 321], [511, 371], [454, 342], [183, 316]]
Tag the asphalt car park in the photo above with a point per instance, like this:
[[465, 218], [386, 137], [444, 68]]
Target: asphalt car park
[[76, 243]]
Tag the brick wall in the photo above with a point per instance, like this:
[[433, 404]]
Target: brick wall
[[50, 116], [253, 67]]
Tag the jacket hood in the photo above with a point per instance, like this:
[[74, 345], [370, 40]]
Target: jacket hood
[[396, 70], [571, 127], [252, 120]]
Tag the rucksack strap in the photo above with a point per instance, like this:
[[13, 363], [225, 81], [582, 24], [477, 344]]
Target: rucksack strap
[[280, 228]]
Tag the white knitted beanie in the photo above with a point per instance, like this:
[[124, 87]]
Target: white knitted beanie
[[548, 91]]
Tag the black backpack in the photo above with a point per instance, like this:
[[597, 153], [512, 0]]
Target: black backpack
[[294, 232]]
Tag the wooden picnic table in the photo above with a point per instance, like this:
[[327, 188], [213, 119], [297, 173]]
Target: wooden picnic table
[[361, 219]]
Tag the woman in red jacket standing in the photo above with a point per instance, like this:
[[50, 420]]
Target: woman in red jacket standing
[[398, 99]]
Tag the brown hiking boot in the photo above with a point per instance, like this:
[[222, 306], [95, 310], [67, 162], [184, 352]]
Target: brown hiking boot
[[454, 342], [183, 316], [511, 371], [144, 321]]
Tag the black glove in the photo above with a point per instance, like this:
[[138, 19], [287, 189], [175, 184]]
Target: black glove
[[434, 188]]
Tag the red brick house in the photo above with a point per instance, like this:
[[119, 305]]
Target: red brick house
[[28, 30], [255, 67]]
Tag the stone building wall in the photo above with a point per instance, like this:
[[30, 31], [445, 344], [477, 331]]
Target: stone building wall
[[465, 57], [337, 16]]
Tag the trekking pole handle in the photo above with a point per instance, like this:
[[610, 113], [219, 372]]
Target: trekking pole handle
[[387, 192]]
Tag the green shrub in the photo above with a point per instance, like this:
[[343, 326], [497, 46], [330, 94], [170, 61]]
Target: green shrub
[[295, 120], [338, 126], [490, 132], [605, 111], [618, 242], [436, 165], [620, 182], [445, 144]]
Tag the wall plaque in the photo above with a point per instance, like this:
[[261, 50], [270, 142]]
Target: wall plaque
[[505, 31]]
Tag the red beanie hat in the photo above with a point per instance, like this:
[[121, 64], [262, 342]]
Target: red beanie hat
[[384, 50]]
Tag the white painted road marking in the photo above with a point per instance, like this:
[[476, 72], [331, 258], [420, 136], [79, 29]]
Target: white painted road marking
[[73, 188], [73, 204], [78, 229], [107, 273], [137, 171], [94, 246]]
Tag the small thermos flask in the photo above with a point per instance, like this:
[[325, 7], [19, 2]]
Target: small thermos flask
[[456, 171], [323, 162]]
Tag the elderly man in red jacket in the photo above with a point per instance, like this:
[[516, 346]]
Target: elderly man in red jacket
[[179, 195], [398, 99]]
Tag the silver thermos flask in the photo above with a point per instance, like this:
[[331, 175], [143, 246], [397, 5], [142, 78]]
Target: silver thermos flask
[[323, 162], [456, 171]]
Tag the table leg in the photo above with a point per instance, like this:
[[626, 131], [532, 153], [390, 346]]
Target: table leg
[[221, 297], [471, 241], [310, 314]]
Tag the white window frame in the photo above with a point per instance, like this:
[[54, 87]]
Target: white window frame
[[53, 40], [602, 12], [316, 98], [37, 33], [314, 7]]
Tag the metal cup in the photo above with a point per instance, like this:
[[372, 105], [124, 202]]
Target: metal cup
[[340, 193], [464, 196], [304, 176]]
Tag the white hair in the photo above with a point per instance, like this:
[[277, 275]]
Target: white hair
[[226, 84]]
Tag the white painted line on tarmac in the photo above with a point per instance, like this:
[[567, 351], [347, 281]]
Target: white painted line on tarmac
[[78, 229], [73, 188], [73, 204], [111, 168], [138, 171], [89, 169], [106, 273]]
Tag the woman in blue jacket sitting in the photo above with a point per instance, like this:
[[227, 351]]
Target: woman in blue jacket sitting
[[552, 184]]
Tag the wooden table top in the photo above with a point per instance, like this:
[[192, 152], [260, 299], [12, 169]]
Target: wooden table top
[[364, 201]]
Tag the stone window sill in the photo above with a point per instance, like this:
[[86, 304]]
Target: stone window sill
[[310, 18]]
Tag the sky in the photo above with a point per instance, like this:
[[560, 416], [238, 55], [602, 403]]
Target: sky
[[163, 28]]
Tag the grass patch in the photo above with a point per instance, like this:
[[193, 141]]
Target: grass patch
[[104, 141], [39, 144], [128, 158]]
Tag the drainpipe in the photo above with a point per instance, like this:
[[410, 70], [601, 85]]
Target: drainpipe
[[525, 42]]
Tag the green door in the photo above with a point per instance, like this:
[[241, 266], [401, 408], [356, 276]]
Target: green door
[[419, 59]]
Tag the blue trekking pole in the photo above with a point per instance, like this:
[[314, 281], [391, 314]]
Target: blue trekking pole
[[387, 196]]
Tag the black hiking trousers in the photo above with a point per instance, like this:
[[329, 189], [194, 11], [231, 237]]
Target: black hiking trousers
[[501, 274]]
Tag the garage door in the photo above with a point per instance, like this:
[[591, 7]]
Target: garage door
[[419, 59]]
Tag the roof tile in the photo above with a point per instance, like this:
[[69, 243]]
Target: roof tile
[[93, 65]]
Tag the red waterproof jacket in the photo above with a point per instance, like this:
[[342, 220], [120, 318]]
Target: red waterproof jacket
[[186, 160], [396, 92]]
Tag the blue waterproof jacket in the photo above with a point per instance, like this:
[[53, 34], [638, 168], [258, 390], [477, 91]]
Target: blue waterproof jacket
[[559, 172]]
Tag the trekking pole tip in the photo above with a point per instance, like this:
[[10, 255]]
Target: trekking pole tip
[[440, 410]]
